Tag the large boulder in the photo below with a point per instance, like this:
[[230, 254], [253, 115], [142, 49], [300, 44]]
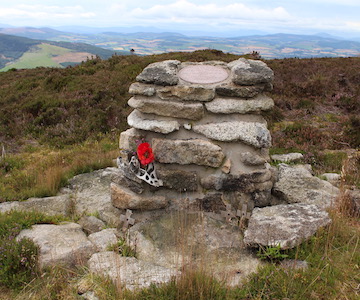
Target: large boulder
[[160, 73], [286, 225], [296, 184], [147, 122], [186, 93], [192, 111], [252, 133], [249, 72], [90, 194], [124, 198], [64, 244], [178, 239], [128, 271], [184, 152], [87, 193], [234, 105], [138, 88], [178, 180], [56, 205], [232, 90], [104, 239], [91, 224]]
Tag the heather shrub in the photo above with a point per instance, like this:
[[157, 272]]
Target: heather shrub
[[352, 131], [19, 259]]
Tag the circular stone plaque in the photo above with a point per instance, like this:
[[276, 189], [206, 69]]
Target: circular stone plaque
[[203, 74]]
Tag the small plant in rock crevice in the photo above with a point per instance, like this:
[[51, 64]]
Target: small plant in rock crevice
[[122, 248], [272, 253]]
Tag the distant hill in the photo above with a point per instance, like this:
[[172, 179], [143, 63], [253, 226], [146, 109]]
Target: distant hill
[[269, 46], [21, 52]]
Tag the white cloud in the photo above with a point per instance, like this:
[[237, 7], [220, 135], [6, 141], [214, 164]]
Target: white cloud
[[185, 10], [43, 12]]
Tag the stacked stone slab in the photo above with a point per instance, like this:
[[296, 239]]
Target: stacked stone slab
[[204, 124]]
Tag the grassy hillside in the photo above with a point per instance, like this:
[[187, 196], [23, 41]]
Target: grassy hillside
[[21, 52], [39, 55]]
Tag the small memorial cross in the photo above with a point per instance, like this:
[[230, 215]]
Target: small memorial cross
[[244, 215], [229, 213], [127, 220]]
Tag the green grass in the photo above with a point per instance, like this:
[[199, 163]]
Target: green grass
[[42, 171], [40, 55]]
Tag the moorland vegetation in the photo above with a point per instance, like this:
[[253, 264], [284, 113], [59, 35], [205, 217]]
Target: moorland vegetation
[[55, 123]]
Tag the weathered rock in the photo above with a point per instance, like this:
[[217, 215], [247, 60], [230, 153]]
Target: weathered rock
[[249, 72], [186, 152], [284, 225], [127, 178], [9, 206], [124, 198], [231, 90], [233, 105], [294, 264], [296, 184], [246, 183], [90, 194], [333, 178], [251, 159], [186, 93], [251, 133], [264, 186], [104, 239], [138, 88], [128, 271], [56, 205], [160, 73], [90, 295], [91, 224], [141, 121], [264, 197], [192, 111], [65, 244], [177, 239], [128, 139], [211, 202], [178, 180], [290, 157]]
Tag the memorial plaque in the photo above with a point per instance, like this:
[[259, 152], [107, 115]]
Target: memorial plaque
[[203, 74]]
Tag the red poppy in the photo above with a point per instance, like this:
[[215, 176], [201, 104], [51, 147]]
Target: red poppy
[[145, 154]]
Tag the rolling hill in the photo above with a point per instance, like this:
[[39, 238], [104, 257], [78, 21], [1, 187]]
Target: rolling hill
[[269, 46], [23, 53]]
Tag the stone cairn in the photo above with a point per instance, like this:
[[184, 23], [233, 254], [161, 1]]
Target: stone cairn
[[210, 142]]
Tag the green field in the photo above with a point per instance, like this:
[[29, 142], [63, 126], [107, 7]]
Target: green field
[[40, 55]]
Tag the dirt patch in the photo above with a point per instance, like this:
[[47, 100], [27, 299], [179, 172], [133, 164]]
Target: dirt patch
[[72, 57]]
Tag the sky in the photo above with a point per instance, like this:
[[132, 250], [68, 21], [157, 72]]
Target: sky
[[337, 17]]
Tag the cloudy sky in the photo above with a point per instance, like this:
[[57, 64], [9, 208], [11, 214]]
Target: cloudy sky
[[340, 17]]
